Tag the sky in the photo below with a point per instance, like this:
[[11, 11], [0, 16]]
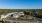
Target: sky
[[20, 4]]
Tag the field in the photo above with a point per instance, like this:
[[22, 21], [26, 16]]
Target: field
[[3, 11]]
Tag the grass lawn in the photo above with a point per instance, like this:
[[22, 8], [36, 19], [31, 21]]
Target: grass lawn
[[0, 22]]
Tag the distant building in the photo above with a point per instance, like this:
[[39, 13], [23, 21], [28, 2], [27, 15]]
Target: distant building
[[15, 14]]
